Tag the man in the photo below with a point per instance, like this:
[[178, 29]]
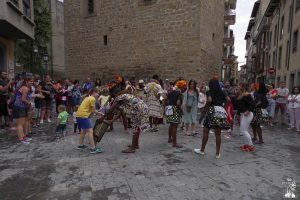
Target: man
[[153, 90], [140, 90], [48, 91], [87, 86], [281, 102], [5, 84], [86, 108]]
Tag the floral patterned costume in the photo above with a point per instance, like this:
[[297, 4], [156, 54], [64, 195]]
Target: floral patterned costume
[[138, 109]]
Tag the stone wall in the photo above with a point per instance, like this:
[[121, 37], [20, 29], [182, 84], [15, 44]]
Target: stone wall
[[171, 38]]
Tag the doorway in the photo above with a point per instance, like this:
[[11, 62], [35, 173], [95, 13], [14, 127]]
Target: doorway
[[2, 57]]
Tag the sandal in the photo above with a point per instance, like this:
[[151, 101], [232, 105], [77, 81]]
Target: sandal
[[130, 146], [129, 150], [178, 146]]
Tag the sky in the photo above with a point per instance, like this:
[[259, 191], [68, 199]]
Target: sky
[[243, 12]]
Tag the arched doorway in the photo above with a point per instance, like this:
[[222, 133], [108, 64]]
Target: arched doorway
[[2, 57]]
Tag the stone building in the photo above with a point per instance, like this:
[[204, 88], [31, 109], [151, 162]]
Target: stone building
[[229, 68], [16, 22], [284, 41], [139, 38], [56, 45], [273, 42]]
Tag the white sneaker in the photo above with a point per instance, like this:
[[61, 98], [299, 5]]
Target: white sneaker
[[49, 120], [198, 151], [42, 121], [218, 156]]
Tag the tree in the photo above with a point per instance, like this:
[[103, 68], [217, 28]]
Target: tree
[[29, 53]]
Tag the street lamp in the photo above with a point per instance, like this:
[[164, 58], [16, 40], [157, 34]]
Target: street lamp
[[45, 58]]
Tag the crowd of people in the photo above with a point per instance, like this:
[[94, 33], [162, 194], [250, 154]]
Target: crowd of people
[[29, 102]]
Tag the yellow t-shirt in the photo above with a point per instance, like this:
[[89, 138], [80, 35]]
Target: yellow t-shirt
[[86, 107]]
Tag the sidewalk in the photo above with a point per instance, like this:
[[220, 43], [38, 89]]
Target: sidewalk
[[47, 169]]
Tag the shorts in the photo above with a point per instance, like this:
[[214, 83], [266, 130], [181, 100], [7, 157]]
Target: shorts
[[36, 113], [3, 107], [46, 103], [84, 123], [61, 128], [19, 112]]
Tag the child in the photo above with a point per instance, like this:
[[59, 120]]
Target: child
[[38, 97], [62, 120], [75, 121]]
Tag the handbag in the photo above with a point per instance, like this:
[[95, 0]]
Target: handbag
[[264, 113], [169, 111]]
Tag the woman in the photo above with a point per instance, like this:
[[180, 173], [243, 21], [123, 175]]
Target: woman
[[174, 112], [76, 94], [97, 83], [201, 104], [261, 103], [20, 110], [271, 95], [189, 107], [138, 110], [216, 116], [294, 109], [245, 104]]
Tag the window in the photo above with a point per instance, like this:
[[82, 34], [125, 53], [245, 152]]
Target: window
[[297, 4], [275, 35], [279, 57], [295, 41], [16, 2], [90, 7], [274, 60], [282, 27], [270, 39], [290, 19], [278, 81], [105, 40], [287, 53], [26, 8]]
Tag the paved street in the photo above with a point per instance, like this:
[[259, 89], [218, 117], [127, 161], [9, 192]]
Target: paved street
[[47, 169]]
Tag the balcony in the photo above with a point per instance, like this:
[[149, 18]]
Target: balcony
[[228, 41], [228, 61], [263, 27], [231, 3], [13, 21], [229, 17]]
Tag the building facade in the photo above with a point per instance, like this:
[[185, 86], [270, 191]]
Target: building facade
[[56, 45], [16, 22], [273, 47], [229, 68], [140, 38]]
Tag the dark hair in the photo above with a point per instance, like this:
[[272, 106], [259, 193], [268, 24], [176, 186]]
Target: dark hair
[[76, 81], [97, 82], [215, 90], [195, 83], [262, 89], [295, 88], [155, 77]]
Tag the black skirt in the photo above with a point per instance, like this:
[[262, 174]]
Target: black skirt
[[213, 122]]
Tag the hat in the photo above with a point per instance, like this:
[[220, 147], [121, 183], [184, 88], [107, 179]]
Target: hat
[[141, 81], [181, 84]]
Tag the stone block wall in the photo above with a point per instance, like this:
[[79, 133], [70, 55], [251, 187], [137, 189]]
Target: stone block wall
[[171, 38]]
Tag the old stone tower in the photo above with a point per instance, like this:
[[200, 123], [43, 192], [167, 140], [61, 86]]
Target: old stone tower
[[140, 38]]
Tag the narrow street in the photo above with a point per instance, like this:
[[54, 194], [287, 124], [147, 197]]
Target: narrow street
[[47, 169]]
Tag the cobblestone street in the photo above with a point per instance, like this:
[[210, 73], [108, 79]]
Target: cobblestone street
[[47, 169]]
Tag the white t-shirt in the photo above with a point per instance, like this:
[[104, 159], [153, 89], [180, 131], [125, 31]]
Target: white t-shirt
[[202, 100], [294, 101], [282, 92]]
